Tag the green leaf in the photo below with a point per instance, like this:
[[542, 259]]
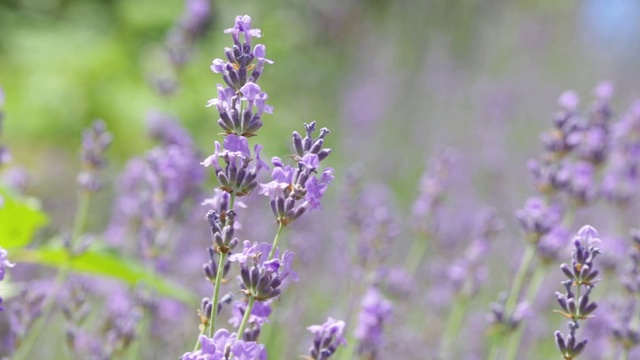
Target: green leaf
[[107, 263], [20, 217]]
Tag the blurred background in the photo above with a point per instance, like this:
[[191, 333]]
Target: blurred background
[[397, 82]]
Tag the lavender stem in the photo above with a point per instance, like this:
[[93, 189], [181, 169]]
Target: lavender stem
[[416, 254], [512, 299], [454, 323], [275, 241], [532, 291], [245, 318]]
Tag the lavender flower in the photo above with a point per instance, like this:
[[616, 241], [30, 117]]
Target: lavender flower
[[95, 142], [375, 311], [537, 218], [262, 277], [327, 338], [236, 177], [223, 345], [291, 185], [577, 306], [192, 25], [242, 103]]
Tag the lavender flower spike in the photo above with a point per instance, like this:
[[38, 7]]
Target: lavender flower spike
[[575, 304], [328, 337]]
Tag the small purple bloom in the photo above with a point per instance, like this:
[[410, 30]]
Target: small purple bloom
[[569, 100], [327, 338]]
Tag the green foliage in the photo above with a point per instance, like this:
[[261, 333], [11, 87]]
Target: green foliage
[[104, 262], [20, 218]]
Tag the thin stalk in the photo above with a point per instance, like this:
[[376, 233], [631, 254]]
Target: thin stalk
[[416, 253], [79, 223], [512, 299], [454, 323], [530, 295], [197, 345], [245, 318], [625, 353], [275, 241]]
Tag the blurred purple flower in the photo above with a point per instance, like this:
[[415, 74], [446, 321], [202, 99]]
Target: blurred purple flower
[[373, 314], [327, 338]]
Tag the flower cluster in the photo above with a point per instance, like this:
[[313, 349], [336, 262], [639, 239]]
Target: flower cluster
[[327, 338], [291, 185], [575, 303], [95, 142], [223, 345], [263, 273]]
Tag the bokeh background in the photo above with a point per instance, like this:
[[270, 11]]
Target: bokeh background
[[396, 82]]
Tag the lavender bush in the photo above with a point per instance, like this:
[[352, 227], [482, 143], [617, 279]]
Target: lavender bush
[[341, 246]]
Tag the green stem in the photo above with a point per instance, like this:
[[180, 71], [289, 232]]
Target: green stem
[[512, 299], [530, 295], [454, 323], [275, 241], [625, 353], [245, 318], [197, 345], [82, 210], [415, 255], [80, 220], [216, 294]]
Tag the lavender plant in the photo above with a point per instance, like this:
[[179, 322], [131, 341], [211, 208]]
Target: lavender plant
[[575, 303], [292, 192]]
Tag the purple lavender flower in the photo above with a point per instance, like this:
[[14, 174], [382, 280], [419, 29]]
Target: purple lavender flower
[[262, 278], [192, 25], [95, 142], [369, 331], [222, 345], [537, 218], [327, 338], [290, 185], [236, 177], [581, 274], [242, 103]]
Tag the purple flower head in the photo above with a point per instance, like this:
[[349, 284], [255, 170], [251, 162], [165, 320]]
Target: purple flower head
[[327, 338], [236, 176], [4, 263], [604, 91], [538, 218], [236, 146], [243, 26], [262, 277], [310, 161], [569, 100], [316, 188], [369, 331], [95, 142], [582, 183], [223, 343], [553, 243], [582, 275]]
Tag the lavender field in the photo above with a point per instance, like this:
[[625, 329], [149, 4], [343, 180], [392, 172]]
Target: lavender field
[[357, 179]]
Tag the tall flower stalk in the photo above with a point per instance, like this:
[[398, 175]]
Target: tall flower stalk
[[293, 191], [575, 302]]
